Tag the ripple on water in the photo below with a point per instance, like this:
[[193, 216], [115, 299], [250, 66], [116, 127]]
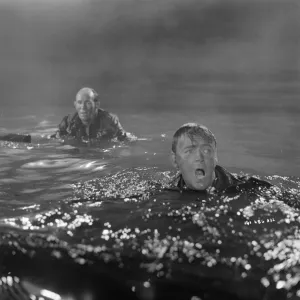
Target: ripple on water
[[204, 241], [13, 148], [62, 187], [31, 191], [10, 180], [32, 177], [55, 196], [50, 163], [3, 169], [66, 165]]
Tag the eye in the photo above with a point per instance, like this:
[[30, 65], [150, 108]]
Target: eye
[[88, 103], [207, 151], [189, 150]]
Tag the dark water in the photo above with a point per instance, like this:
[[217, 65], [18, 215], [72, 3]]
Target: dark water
[[107, 206], [95, 222]]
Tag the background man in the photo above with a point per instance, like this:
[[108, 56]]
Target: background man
[[90, 121]]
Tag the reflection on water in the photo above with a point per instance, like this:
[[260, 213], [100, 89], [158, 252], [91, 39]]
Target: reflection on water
[[46, 168], [156, 241], [243, 246], [238, 74]]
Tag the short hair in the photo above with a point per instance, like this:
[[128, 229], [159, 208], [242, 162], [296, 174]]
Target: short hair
[[192, 130]]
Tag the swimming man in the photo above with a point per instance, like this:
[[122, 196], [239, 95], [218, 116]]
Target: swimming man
[[194, 154], [90, 122]]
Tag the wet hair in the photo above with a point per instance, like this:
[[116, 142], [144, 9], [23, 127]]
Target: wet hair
[[193, 130]]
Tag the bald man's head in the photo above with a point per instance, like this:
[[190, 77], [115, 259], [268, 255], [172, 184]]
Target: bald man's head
[[87, 92], [86, 104]]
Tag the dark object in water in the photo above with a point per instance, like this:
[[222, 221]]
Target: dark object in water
[[35, 266], [42, 267], [157, 244], [15, 137]]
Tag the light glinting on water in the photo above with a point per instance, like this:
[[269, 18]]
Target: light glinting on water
[[166, 235]]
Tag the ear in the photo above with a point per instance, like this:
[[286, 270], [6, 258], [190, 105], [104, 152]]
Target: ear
[[97, 103], [96, 99], [173, 160], [216, 157]]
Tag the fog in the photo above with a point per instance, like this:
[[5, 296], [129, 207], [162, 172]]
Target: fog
[[147, 53]]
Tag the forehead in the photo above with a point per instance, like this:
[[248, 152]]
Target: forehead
[[85, 97], [195, 140]]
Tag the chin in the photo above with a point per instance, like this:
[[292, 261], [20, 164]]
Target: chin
[[85, 119], [201, 186]]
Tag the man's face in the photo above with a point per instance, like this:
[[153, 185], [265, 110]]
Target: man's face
[[85, 106], [196, 160]]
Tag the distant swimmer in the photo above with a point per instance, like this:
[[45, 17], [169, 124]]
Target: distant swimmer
[[194, 154], [90, 122]]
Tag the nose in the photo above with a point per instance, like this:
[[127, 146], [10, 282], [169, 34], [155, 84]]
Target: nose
[[83, 106], [199, 155]]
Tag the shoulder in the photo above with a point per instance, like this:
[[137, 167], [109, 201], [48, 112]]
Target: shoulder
[[176, 183], [108, 115], [227, 176], [256, 182], [70, 117], [69, 121], [73, 116], [114, 118]]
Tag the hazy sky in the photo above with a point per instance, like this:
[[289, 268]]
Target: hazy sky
[[138, 49]]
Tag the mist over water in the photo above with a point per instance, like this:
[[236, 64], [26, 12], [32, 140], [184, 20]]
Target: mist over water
[[232, 65], [138, 52]]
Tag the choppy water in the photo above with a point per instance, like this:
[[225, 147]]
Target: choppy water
[[102, 213], [94, 223]]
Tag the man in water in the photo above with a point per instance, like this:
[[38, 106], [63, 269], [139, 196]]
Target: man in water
[[194, 154], [90, 122]]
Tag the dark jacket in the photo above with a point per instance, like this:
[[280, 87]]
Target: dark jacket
[[227, 182], [105, 126]]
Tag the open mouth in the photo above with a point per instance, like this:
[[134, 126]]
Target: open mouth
[[200, 173]]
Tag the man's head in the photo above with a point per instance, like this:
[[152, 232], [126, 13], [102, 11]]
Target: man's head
[[86, 104], [194, 153]]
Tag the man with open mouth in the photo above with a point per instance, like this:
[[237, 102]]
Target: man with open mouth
[[194, 154]]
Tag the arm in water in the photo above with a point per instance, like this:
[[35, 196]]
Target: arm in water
[[35, 266], [62, 128], [105, 127], [114, 129]]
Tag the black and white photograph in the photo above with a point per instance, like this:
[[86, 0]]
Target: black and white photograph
[[150, 149]]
